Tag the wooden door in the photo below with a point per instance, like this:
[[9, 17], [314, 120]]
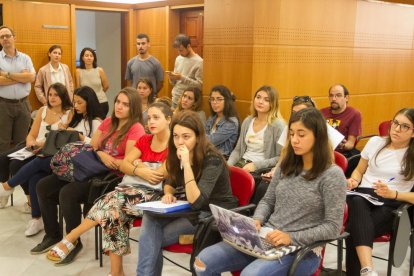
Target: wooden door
[[191, 23]]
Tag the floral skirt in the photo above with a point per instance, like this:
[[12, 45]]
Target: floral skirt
[[115, 213]]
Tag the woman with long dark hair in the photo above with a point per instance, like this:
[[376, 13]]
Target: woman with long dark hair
[[54, 71], [303, 204], [89, 74], [222, 127], [385, 171], [55, 115], [204, 177], [114, 138]]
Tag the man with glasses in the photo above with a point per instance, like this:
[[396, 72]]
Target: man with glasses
[[16, 74], [345, 119], [188, 68], [146, 66]]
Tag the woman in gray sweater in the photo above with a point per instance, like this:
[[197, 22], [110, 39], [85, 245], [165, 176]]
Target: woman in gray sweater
[[257, 146], [303, 204]]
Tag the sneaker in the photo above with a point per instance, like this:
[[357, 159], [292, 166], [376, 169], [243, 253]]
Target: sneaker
[[367, 271], [5, 193], [25, 208], [34, 227], [46, 244], [3, 201]]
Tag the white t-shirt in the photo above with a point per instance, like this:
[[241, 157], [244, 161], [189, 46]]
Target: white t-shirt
[[83, 127], [385, 166], [254, 144], [57, 75]]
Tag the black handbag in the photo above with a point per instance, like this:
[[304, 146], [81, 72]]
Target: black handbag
[[56, 139], [87, 164]]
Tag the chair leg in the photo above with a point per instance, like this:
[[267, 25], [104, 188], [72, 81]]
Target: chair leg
[[411, 253], [96, 243], [339, 257], [100, 247], [60, 214], [390, 260], [11, 200]]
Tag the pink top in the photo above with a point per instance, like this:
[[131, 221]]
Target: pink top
[[147, 154], [134, 133]]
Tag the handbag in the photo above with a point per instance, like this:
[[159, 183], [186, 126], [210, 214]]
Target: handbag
[[56, 139], [87, 164]]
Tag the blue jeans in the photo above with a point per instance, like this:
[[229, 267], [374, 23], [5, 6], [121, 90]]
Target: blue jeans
[[32, 172], [222, 257], [157, 232]]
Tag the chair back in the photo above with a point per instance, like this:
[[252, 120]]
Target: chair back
[[341, 161], [242, 185], [384, 128]]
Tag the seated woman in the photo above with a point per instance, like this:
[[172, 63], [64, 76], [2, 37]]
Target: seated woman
[[191, 99], [222, 127], [114, 138], [144, 88], [296, 217], [115, 212], [254, 152], [386, 169], [85, 120], [205, 179]]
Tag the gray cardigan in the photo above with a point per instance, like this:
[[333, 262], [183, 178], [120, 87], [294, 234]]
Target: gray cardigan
[[309, 210], [271, 148]]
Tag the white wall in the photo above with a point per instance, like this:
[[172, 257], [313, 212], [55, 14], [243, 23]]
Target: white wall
[[102, 31]]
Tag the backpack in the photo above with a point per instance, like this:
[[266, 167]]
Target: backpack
[[62, 163]]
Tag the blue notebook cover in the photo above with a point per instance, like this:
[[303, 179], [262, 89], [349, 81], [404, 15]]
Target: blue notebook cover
[[159, 207]]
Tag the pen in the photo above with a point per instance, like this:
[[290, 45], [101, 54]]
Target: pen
[[391, 179]]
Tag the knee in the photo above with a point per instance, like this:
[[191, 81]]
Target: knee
[[199, 266]]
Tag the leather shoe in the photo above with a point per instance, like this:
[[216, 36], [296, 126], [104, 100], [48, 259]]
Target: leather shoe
[[45, 245]]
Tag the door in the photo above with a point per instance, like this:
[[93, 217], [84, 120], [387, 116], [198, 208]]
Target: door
[[191, 23]]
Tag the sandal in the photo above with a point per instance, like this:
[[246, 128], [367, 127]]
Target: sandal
[[61, 255], [71, 255]]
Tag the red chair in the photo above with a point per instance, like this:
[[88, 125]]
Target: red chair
[[242, 185], [341, 161], [384, 128]]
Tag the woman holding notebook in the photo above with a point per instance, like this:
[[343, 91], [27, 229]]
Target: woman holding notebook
[[195, 166], [303, 204], [385, 171]]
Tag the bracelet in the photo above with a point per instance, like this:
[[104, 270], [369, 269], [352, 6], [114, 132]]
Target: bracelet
[[188, 182], [133, 171], [396, 195]]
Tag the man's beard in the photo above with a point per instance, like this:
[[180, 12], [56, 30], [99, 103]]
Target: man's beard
[[335, 106]]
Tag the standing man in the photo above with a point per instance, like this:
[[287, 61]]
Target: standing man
[[145, 66], [346, 119], [16, 74], [188, 68]]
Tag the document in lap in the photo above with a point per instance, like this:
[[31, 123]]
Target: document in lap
[[240, 232], [159, 207]]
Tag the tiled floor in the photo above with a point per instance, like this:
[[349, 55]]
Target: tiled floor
[[15, 259]]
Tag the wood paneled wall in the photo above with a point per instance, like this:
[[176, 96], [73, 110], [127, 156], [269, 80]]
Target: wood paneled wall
[[303, 47], [27, 19]]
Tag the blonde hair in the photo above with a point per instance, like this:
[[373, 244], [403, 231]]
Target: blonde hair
[[273, 95]]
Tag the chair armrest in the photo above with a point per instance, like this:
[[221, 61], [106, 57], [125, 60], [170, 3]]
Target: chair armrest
[[400, 237], [244, 209], [305, 250]]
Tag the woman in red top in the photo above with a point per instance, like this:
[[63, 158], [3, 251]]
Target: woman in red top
[[144, 170]]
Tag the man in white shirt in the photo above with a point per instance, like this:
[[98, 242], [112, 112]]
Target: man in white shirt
[[16, 74], [188, 68]]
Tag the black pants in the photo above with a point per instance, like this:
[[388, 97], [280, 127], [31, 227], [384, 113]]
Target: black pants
[[365, 222], [9, 167], [69, 196]]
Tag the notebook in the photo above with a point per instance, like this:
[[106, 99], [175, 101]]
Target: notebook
[[159, 207], [240, 232]]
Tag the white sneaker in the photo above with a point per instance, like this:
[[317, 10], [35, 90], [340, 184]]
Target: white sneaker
[[34, 227], [367, 271], [3, 201], [4, 192], [25, 208]]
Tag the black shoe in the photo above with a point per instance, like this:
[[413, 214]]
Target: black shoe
[[71, 256], [45, 245]]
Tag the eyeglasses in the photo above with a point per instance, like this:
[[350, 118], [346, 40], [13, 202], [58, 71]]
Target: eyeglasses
[[215, 100], [403, 127], [5, 36]]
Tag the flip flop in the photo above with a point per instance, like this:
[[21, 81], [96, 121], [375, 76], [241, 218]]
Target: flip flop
[[71, 256], [61, 255]]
